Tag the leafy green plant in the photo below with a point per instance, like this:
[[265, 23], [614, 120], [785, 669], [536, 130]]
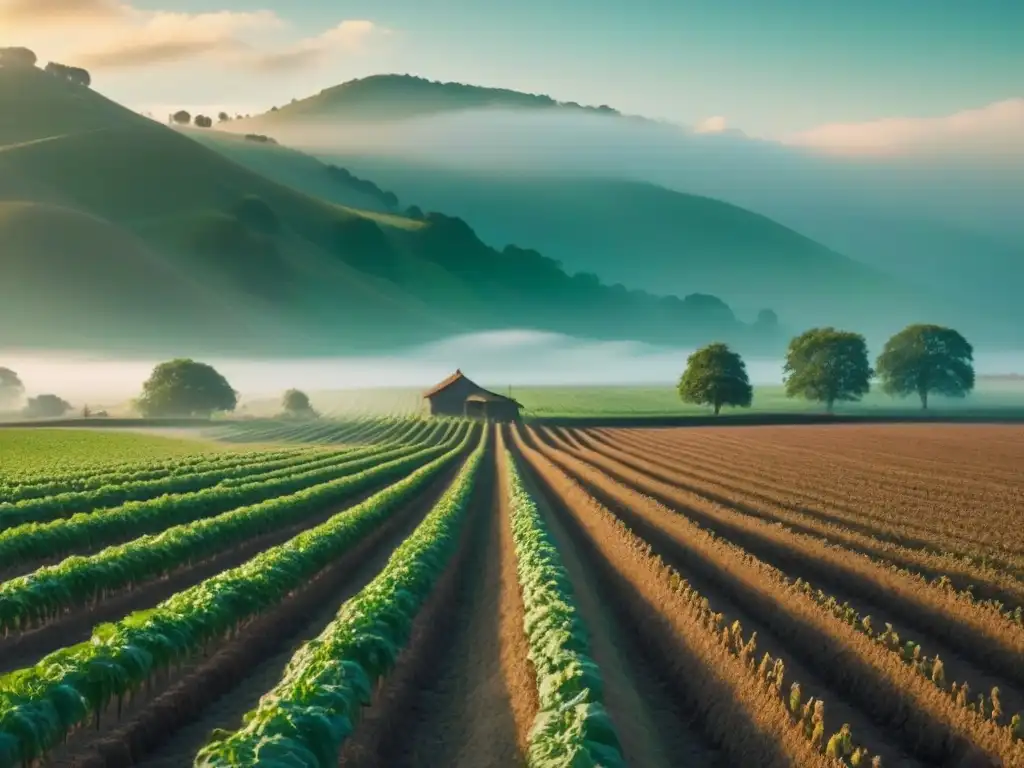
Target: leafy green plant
[[572, 726], [304, 720], [40, 704]]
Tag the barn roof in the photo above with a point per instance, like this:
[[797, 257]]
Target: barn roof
[[457, 376]]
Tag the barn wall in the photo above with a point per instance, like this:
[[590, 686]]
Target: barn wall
[[451, 401]]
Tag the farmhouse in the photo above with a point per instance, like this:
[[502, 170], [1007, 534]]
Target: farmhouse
[[458, 396]]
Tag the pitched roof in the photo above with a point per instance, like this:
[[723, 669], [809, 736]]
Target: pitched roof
[[446, 383]]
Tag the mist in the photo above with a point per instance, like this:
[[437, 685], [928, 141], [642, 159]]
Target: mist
[[978, 188], [499, 358]]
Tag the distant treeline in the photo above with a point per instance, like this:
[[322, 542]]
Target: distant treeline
[[24, 58], [388, 199]]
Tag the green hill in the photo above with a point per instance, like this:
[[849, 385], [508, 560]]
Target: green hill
[[397, 97], [109, 213], [642, 235]]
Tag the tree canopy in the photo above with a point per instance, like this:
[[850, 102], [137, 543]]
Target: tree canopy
[[11, 388], [296, 404], [924, 359], [46, 407], [828, 366], [716, 376], [185, 388], [181, 117]]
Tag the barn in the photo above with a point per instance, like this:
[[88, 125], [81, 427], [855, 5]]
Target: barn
[[458, 396]]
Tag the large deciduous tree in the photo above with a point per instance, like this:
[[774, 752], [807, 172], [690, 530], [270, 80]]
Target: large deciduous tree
[[11, 388], [716, 376], [925, 359], [46, 407], [186, 388], [828, 366], [296, 404]]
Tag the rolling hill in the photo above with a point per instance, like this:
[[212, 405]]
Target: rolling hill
[[121, 233], [640, 234]]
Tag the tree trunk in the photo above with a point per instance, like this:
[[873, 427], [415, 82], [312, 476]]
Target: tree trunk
[[924, 399], [718, 407], [829, 405]]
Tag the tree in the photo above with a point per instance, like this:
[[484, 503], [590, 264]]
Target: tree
[[11, 388], [716, 376], [922, 359], [17, 58], [46, 407], [296, 404], [75, 75], [202, 121], [181, 117], [223, 117], [186, 388], [828, 366]]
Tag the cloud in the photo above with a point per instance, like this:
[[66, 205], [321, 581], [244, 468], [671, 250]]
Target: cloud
[[348, 36], [994, 129], [48, 12], [147, 38], [715, 124]]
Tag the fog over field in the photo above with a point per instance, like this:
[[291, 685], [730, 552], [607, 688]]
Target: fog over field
[[516, 357]]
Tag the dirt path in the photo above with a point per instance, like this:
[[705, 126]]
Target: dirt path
[[216, 691], [653, 725], [20, 650], [473, 706]]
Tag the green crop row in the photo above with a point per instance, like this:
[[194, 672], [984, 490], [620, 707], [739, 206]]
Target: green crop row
[[572, 727], [49, 591], [304, 720], [115, 492], [41, 704], [42, 540], [92, 479]]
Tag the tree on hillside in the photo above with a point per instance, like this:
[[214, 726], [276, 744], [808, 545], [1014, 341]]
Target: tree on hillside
[[185, 388], [716, 376], [202, 121], [46, 407], [17, 58], [11, 388], [296, 405], [828, 366], [922, 359], [223, 117], [75, 75], [181, 117]]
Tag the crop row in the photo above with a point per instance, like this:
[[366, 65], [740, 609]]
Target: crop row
[[742, 709], [42, 704], [894, 688], [572, 726], [304, 720], [115, 493], [777, 505], [92, 478], [986, 633], [32, 542], [43, 595]]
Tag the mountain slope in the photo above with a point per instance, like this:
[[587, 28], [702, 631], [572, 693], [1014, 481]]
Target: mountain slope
[[256, 266], [640, 234]]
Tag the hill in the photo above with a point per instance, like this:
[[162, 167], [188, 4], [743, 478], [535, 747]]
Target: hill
[[640, 234], [400, 97], [256, 266]]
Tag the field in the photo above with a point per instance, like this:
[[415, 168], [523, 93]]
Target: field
[[991, 397], [385, 591]]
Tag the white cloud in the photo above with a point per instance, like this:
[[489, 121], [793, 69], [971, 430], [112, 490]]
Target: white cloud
[[715, 124], [347, 37], [995, 129], [123, 36]]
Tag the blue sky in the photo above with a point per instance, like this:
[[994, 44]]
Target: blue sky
[[768, 67]]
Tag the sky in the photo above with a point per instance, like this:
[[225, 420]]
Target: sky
[[822, 72]]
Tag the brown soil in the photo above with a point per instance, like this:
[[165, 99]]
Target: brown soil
[[76, 626], [464, 693], [151, 722], [651, 719]]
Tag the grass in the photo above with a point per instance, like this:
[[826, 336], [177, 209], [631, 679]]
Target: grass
[[35, 450], [610, 401]]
